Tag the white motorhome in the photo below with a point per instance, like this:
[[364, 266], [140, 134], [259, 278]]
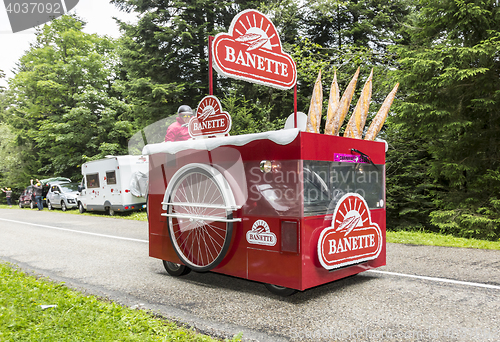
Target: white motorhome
[[114, 184]]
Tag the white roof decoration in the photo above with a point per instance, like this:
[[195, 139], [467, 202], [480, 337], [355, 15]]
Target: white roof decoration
[[281, 137]]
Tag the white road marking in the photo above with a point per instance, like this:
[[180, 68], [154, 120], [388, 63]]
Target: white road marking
[[442, 280], [76, 231]]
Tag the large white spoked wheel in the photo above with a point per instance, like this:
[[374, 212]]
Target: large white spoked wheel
[[199, 205]]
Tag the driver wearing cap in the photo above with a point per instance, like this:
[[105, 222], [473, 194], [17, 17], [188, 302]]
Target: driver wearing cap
[[178, 131]]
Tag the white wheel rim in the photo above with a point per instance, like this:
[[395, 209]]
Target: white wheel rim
[[199, 241]]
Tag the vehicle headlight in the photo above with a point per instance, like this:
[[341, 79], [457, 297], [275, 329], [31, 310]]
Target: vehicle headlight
[[267, 166], [71, 200]]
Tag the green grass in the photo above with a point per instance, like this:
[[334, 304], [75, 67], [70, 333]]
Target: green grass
[[76, 317], [435, 239], [130, 215]]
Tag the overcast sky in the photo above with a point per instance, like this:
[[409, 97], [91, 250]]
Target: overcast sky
[[98, 14]]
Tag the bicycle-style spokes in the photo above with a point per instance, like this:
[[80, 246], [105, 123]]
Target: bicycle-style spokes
[[199, 224]]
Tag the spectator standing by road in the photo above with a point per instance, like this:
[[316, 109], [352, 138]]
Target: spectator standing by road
[[37, 191], [8, 194], [178, 131]]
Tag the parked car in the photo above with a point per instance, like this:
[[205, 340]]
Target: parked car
[[47, 183], [63, 195], [27, 199]]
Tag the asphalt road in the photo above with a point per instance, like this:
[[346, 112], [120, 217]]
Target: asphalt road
[[424, 294]]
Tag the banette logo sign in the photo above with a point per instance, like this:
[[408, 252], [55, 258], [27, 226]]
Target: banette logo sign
[[209, 119], [352, 237], [26, 14], [252, 51], [261, 234]]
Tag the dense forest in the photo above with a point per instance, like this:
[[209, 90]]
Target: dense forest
[[77, 97]]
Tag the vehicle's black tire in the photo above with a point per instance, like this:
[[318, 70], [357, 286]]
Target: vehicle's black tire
[[20, 205], [174, 269], [32, 205], [49, 205], [111, 212], [280, 290], [63, 206], [81, 209]]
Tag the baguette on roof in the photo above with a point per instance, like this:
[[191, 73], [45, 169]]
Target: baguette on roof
[[333, 125], [356, 124], [314, 115], [379, 119], [333, 101]]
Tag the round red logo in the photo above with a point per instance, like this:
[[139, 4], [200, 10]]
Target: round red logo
[[352, 237]]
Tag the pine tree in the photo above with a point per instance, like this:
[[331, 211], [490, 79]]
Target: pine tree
[[370, 23], [450, 73]]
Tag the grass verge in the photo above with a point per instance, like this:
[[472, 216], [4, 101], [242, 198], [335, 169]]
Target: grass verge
[[435, 239], [73, 316]]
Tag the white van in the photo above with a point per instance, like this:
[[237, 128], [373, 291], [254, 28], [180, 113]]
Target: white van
[[114, 184]]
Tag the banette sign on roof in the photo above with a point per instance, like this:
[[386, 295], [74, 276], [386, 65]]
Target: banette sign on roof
[[209, 119], [252, 51]]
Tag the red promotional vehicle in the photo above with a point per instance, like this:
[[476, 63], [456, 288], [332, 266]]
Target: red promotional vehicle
[[287, 208]]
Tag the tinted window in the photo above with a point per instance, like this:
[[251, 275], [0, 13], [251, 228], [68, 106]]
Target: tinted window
[[111, 177], [69, 187], [93, 181], [326, 182]]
